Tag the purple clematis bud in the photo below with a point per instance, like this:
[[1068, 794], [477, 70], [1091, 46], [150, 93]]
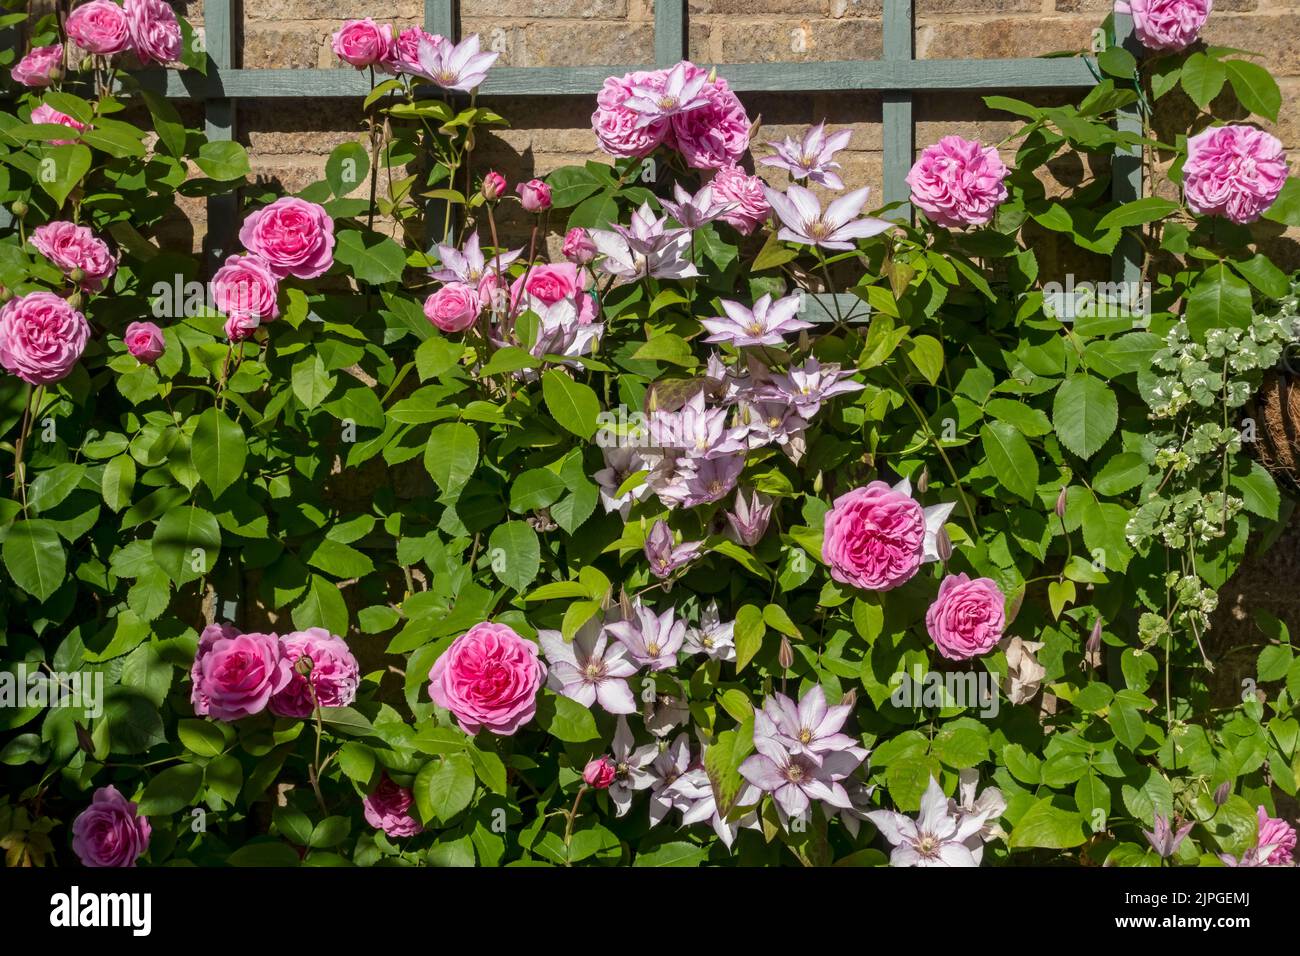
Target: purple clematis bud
[[749, 519], [664, 557], [1222, 792], [1060, 502], [1164, 839]]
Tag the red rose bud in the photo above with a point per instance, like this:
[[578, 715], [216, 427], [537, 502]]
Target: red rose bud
[[494, 185], [599, 773]]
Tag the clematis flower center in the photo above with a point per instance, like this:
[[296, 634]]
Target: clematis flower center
[[817, 229], [652, 649], [805, 736]]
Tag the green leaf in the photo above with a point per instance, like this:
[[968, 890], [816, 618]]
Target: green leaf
[[515, 554], [1084, 414], [1203, 78], [678, 853], [1121, 473], [1137, 213], [451, 455], [372, 258], [186, 543], [171, 791], [201, 737], [1029, 420], [573, 405], [1219, 300], [51, 487], [223, 160], [1045, 825], [1255, 88], [118, 482], [749, 630], [34, 556], [62, 168], [568, 720], [926, 353], [570, 185], [218, 450], [347, 168], [166, 122], [323, 606], [1259, 494], [312, 382], [1012, 460]]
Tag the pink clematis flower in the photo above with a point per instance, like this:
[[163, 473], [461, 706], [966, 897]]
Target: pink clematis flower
[[631, 767], [802, 219], [659, 96], [795, 780], [811, 157], [810, 728], [696, 211], [937, 837], [644, 247], [712, 638], [664, 556], [589, 670], [459, 66], [767, 323], [652, 640]]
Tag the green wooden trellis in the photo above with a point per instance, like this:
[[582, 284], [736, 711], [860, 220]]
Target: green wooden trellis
[[897, 77]]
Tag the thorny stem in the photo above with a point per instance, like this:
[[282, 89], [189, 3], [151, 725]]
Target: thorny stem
[[572, 815], [29, 416], [314, 769]]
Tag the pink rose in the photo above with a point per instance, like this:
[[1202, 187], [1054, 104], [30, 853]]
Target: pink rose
[[41, 337], [145, 341], [732, 184], [454, 307], [534, 195], [38, 67], [404, 54], [967, 617], [292, 236], [240, 328], [874, 537], [618, 128], [245, 288], [494, 185], [547, 283], [716, 135], [236, 675], [99, 27], [45, 114], [488, 678], [334, 674], [599, 773], [365, 43], [109, 832], [1233, 171], [1168, 24], [1279, 834], [155, 32], [389, 809], [957, 182], [578, 246], [71, 247]]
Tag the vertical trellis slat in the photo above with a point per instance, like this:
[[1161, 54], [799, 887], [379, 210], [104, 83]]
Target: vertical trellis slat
[[670, 31], [442, 18], [896, 107], [219, 122], [1126, 172]]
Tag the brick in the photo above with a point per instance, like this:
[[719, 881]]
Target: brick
[[551, 43], [789, 41], [1274, 38], [545, 9], [339, 10], [1004, 38], [930, 8]]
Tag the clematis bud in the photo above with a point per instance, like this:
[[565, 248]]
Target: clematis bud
[[1060, 503], [1092, 650], [943, 544], [494, 185], [534, 195], [749, 519], [664, 557], [923, 480], [1222, 792], [785, 656], [850, 698], [818, 484]]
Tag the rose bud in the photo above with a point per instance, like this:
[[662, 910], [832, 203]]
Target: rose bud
[[578, 246], [534, 195], [494, 185], [599, 773]]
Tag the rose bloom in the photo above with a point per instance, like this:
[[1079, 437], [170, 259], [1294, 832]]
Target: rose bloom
[[99, 27], [334, 674], [292, 236], [155, 33], [534, 195], [245, 288], [389, 809], [547, 283], [364, 43], [454, 307], [874, 537], [37, 67], [618, 128], [599, 773], [45, 114], [1233, 171], [967, 618], [716, 135], [578, 246], [41, 337], [1168, 24], [732, 184], [145, 341], [70, 247], [488, 678], [236, 675], [404, 54], [958, 182], [1276, 831], [109, 833]]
